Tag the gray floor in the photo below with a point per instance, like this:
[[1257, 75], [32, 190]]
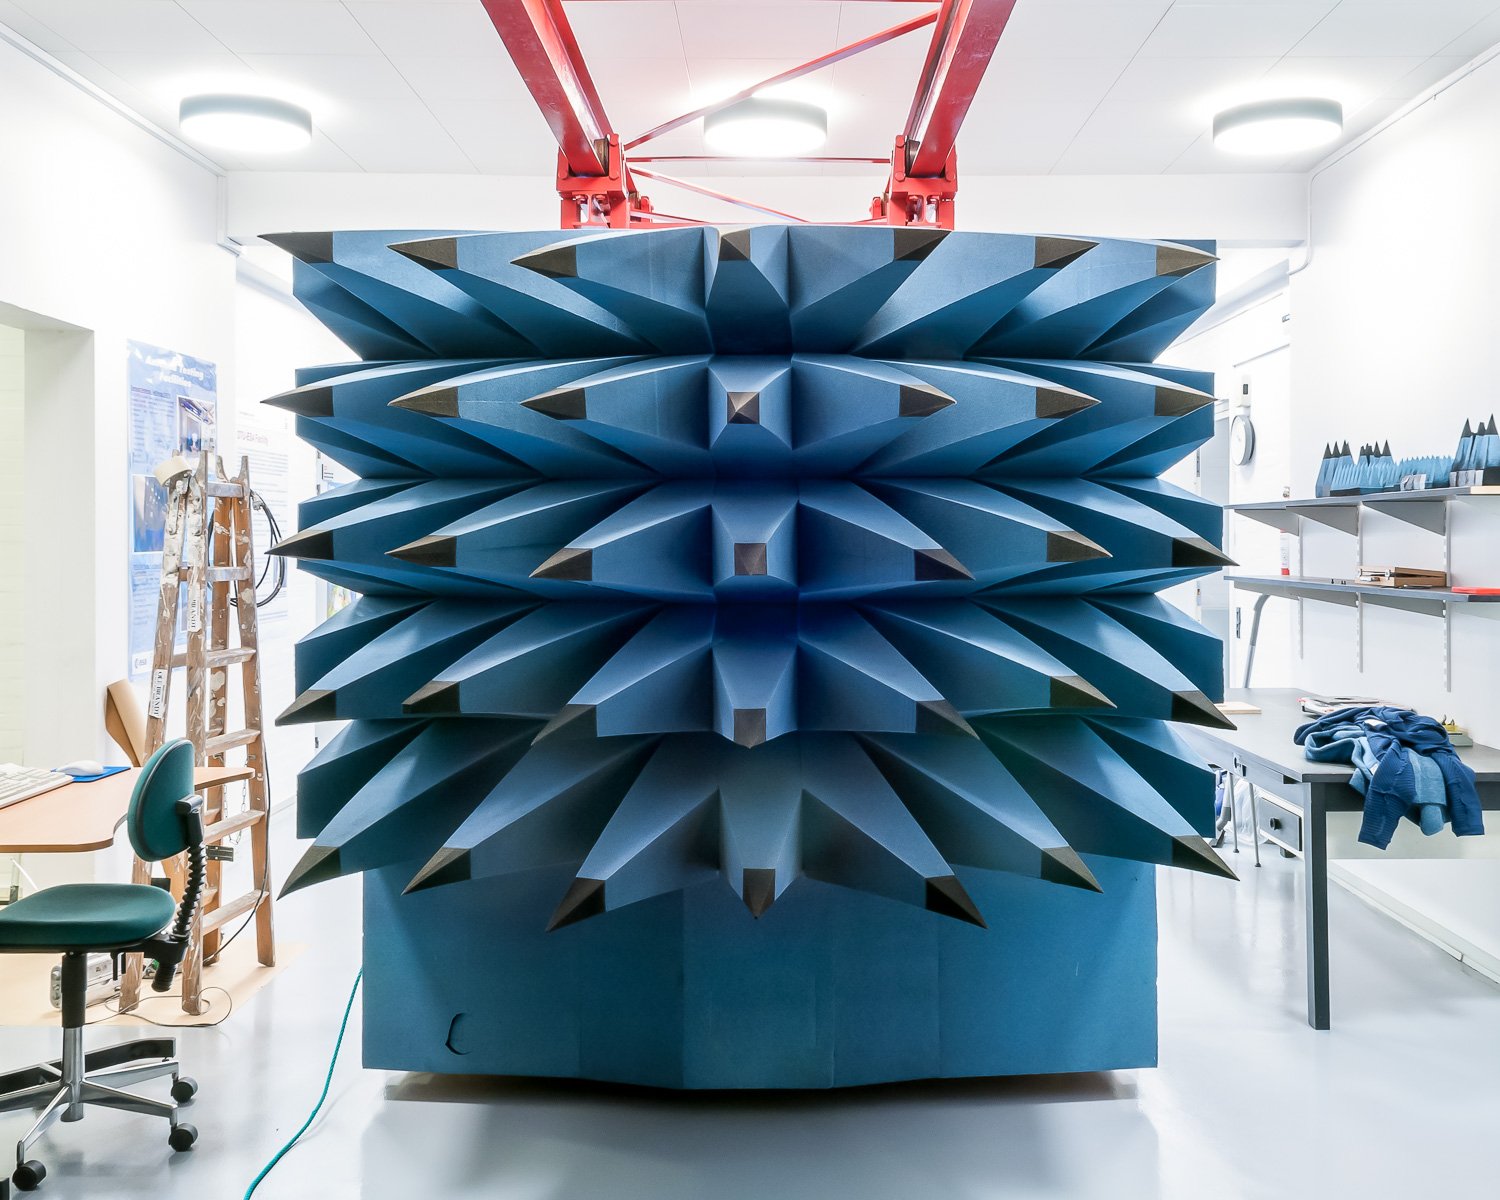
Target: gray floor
[[1402, 1099]]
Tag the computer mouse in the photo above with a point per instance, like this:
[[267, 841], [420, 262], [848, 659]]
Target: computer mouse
[[83, 766]]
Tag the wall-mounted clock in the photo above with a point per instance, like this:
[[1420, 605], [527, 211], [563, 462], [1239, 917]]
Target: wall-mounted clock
[[1241, 440]]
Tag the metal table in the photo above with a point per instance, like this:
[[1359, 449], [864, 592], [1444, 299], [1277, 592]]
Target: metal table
[[1300, 795]]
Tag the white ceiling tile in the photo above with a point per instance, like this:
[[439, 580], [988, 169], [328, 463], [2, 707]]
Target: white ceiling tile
[[1353, 82], [864, 131], [505, 137], [861, 20], [320, 155], [170, 75], [866, 76], [1474, 41], [1204, 158], [406, 29], [429, 85], [641, 75], [396, 135], [1421, 77], [33, 29], [1232, 30], [1042, 29], [281, 26], [453, 77], [638, 29], [1025, 139], [101, 76], [715, 78], [1215, 82], [338, 80], [141, 25], [1044, 81], [1366, 29], [799, 31], [1129, 139], [641, 93]]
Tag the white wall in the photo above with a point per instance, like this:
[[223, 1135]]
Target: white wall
[[12, 566], [107, 234], [273, 336], [1236, 209], [1394, 328], [1251, 350], [108, 231], [1393, 338]]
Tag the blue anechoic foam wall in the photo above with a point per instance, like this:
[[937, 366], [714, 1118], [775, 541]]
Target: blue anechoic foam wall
[[757, 667]]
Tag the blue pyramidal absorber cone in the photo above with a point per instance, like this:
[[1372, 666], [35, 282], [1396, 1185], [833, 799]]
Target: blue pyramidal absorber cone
[[741, 609]]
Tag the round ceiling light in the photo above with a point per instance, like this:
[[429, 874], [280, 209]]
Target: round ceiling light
[[1278, 126], [761, 128], [249, 123]]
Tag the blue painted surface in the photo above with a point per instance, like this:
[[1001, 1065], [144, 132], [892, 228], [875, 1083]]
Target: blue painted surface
[[831, 988], [763, 611]]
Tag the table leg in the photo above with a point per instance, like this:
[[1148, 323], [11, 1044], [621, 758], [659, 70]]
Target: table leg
[[1315, 889], [1254, 822]]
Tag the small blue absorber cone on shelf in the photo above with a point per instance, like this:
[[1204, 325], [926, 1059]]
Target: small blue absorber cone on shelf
[[1465, 451], [1322, 484]]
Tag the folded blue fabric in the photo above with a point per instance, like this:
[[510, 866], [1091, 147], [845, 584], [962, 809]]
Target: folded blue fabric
[[1404, 766]]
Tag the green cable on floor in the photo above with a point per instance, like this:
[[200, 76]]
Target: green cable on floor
[[327, 1082]]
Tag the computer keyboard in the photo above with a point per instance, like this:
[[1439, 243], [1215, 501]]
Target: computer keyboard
[[21, 783]]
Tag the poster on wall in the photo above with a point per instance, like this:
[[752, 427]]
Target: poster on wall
[[173, 409]]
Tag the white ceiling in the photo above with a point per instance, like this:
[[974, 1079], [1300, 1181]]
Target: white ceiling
[[1077, 86]]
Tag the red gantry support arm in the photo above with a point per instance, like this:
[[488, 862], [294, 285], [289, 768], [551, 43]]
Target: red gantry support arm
[[595, 184], [924, 165], [592, 180]]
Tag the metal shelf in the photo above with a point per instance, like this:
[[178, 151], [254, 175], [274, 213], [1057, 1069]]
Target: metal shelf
[[1438, 602], [1427, 509], [1339, 591]]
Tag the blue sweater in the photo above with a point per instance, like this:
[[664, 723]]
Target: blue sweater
[[1404, 765]]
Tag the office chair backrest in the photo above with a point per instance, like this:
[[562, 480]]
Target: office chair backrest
[[157, 828]]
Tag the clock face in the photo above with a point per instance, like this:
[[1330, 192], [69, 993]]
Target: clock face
[[1241, 440]]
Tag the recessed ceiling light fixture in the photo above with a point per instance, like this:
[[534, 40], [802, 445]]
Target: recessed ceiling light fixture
[[763, 128], [249, 123], [1278, 126]]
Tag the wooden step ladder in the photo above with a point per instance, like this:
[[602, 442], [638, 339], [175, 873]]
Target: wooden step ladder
[[209, 547]]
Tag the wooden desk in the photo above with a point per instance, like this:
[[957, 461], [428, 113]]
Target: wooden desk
[[1303, 793], [85, 816]]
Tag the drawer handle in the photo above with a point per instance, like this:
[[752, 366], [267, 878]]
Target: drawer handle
[[1275, 822]]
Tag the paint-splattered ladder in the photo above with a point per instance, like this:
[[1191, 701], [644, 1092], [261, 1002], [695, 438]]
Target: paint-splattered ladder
[[209, 548]]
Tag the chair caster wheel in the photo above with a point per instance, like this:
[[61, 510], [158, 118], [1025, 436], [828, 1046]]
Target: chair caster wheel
[[182, 1137], [29, 1175], [184, 1089]]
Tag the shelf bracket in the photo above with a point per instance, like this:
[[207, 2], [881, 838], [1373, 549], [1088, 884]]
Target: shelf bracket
[[1359, 634], [1431, 515], [1448, 647]]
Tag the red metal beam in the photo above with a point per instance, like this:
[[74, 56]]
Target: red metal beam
[[542, 45], [724, 196], [807, 68], [595, 182], [656, 158], [962, 45]]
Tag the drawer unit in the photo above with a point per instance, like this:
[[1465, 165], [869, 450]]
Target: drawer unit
[[1278, 823]]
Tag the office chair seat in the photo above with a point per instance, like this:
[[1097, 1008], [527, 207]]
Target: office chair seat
[[79, 919], [85, 916]]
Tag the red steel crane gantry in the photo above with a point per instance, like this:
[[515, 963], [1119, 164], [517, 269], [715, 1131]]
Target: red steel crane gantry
[[597, 171]]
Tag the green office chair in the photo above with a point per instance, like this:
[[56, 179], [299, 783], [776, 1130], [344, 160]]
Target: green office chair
[[79, 919]]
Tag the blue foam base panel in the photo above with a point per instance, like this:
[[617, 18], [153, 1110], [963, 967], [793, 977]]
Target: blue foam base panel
[[838, 989]]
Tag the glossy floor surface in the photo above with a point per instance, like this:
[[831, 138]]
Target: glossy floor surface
[[1401, 1099]]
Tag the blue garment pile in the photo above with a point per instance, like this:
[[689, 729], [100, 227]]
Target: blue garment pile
[[1404, 766]]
